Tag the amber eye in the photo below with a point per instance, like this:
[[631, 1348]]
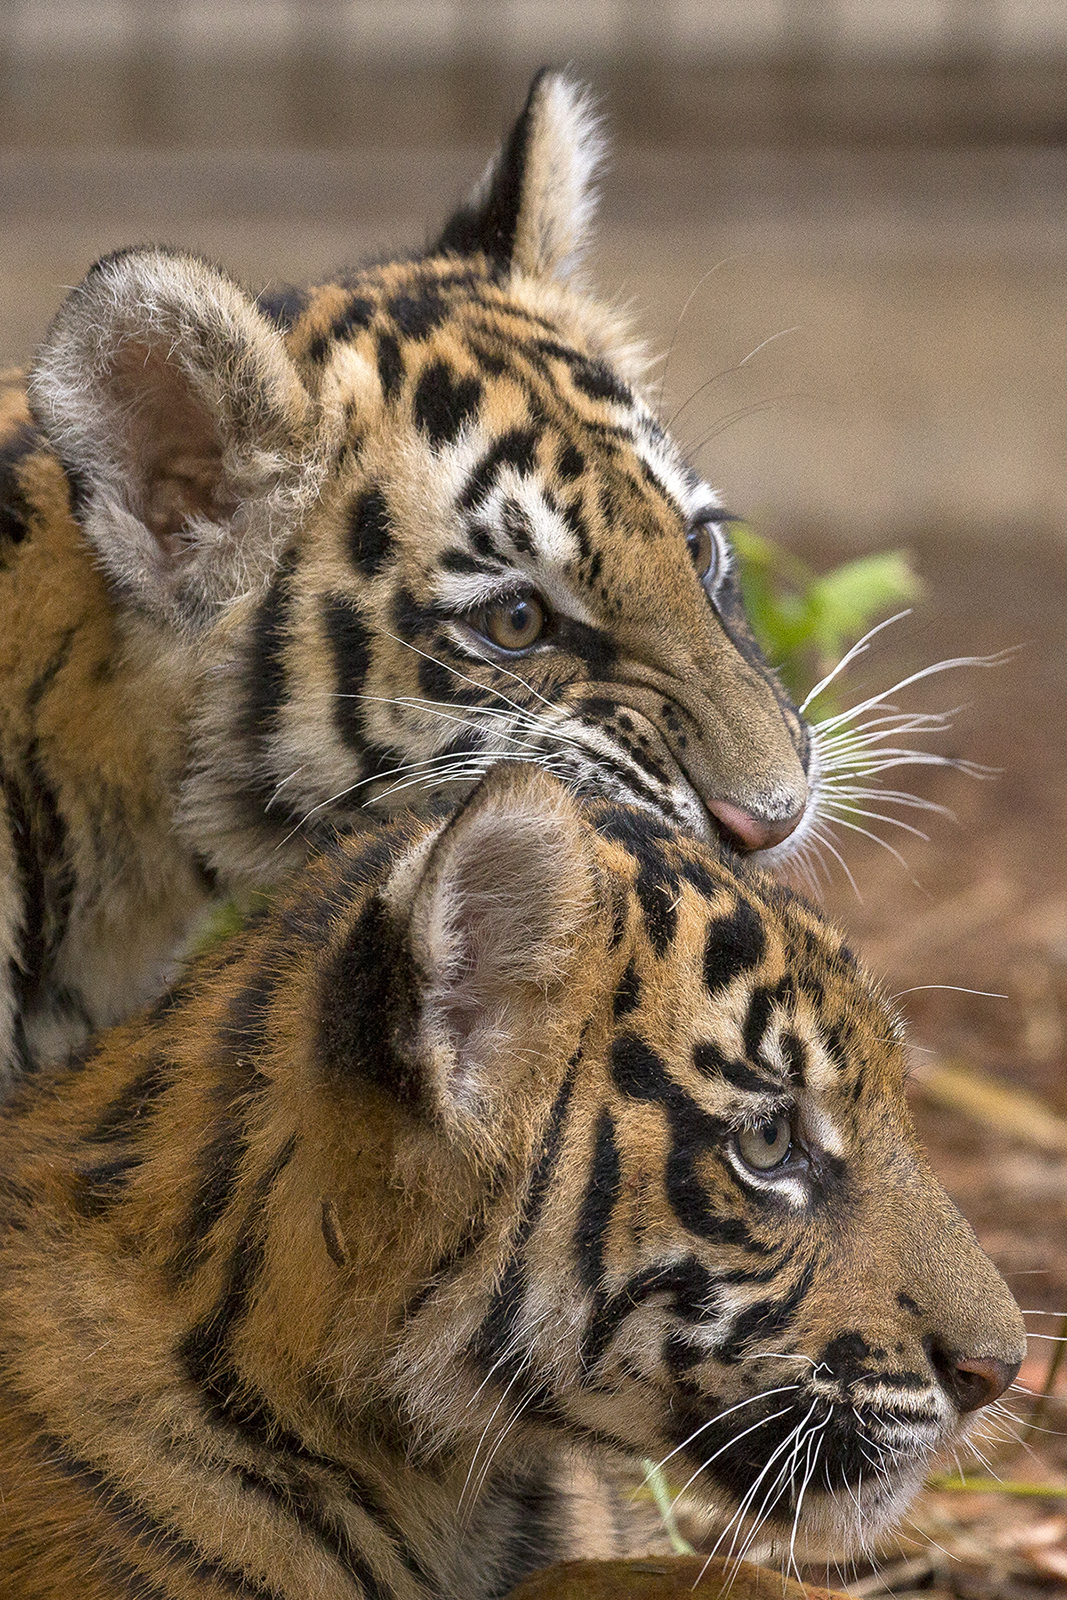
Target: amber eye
[[703, 550], [514, 623], [766, 1146]]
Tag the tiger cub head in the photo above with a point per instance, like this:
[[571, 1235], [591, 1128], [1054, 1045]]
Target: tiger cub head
[[419, 519]]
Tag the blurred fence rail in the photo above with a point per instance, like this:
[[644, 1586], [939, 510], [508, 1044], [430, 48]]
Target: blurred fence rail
[[340, 72]]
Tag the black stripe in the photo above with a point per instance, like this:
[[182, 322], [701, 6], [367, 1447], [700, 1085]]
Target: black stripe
[[350, 640], [602, 766], [517, 448], [445, 403], [44, 874], [750, 1275], [638, 832], [711, 1062], [760, 1009], [497, 1329], [767, 1319], [462, 561], [102, 1185], [438, 681], [693, 1292], [733, 945], [656, 887], [218, 1166], [299, 1499], [245, 1027], [204, 1352], [289, 1480], [370, 533], [627, 996], [574, 517], [390, 364], [264, 691], [598, 1203], [696, 873], [265, 675], [641, 1074], [448, 1264], [491, 360], [411, 617], [519, 529], [795, 1057], [157, 1538], [596, 647], [128, 1112]]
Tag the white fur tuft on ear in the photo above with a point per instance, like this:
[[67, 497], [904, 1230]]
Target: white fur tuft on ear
[[189, 436], [533, 207], [564, 160], [494, 924]]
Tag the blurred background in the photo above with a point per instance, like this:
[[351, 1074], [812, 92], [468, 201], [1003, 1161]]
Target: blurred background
[[847, 222], [885, 179]]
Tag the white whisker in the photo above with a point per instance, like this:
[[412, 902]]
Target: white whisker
[[914, 677], [858, 649]]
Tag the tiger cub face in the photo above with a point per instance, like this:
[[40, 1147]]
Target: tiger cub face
[[540, 1130], [419, 519]]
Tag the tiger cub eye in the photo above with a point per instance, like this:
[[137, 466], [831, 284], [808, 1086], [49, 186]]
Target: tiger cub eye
[[703, 550], [767, 1146], [514, 623]]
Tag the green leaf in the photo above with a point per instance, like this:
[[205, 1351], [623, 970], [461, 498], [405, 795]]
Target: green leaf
[[806, 621], [843, 603]]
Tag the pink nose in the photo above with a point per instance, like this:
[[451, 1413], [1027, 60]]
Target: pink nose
[[751, 833], [974, 1381]]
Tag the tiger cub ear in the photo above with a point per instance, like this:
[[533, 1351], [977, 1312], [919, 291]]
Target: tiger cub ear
[[533, 207], [188, 435], [494, 915]]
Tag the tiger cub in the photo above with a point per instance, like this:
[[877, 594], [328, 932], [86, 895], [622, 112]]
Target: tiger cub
[[267, 561], [495, 1145]]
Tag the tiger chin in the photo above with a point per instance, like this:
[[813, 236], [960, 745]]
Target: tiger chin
[[269, 562], [492, 1148]]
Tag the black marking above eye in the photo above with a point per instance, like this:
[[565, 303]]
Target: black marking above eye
[[445, 403]]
